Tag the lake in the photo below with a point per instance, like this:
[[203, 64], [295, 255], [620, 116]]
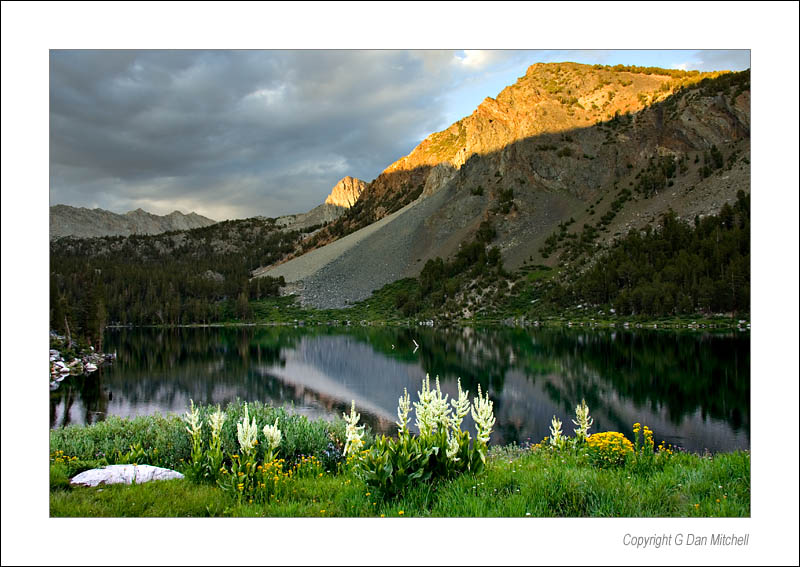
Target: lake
[[691, 387]]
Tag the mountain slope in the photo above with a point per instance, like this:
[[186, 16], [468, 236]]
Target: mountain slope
[[559, 163], [80, 222], [549, 99]]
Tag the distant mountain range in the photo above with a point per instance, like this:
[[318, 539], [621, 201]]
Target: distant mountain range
[[81, 222]]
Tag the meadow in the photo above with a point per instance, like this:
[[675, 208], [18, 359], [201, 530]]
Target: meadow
[[296, 467]]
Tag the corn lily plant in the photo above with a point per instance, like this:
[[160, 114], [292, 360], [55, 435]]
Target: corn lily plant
[[194, 426], [582, 421], [214, 456], [242, 479], [273, 438], [557, 440], [441, 450], [354, 432]]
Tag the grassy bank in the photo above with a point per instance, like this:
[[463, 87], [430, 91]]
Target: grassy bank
[[379, 309], [516, 482]]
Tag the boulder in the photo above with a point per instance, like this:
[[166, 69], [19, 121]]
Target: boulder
[[127, 474]]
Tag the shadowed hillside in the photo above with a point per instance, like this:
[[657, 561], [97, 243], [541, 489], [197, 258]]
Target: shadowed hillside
[[550, 197]]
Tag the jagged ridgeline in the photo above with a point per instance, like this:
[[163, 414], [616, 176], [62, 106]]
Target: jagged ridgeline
[[193, 276], [570, 131], [81, 222]]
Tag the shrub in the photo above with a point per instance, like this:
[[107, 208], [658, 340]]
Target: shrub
[[609, 448], [164, 437], [167, 444]]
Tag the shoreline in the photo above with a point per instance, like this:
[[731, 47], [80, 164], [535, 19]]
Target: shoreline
[[696, 323]]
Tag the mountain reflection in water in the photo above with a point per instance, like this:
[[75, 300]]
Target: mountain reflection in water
[[692, 389]]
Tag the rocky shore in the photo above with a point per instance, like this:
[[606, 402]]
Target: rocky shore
[[84, 362]]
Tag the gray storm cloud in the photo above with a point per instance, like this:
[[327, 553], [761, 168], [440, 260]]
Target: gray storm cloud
[[236, 133]]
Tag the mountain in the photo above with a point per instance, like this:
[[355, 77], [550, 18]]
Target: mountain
[[80, 222], [346, 192], [342, 197], [558, 164]]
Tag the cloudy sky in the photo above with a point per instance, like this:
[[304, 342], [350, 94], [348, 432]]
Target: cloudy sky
[[234, 134]]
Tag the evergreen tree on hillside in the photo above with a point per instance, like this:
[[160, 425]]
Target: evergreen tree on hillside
[[676, 268]]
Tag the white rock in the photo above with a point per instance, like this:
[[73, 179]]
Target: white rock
[[90, 367], [119, 474]]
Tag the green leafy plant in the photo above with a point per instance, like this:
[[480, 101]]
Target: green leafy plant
[[645, 458], [441, 450], [135, 455]]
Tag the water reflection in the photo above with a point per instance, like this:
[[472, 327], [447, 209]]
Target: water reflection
[[692, 389]]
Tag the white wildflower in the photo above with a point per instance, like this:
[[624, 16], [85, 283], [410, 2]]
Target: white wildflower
[[584, 422], [216, 420], [247, 432], [425, 419], [452, 447], [355, 433], [483, 416], [461, 408], [440, 410], [192, 418], [556, 438], [273, 435], [403, 408]]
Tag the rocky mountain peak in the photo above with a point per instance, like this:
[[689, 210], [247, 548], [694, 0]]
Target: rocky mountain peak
[[346, 192]]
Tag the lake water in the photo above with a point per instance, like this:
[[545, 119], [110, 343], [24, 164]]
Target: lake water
[[692, 388]]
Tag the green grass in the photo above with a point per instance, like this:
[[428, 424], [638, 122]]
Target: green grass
[[516, 483], [166, 498]]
